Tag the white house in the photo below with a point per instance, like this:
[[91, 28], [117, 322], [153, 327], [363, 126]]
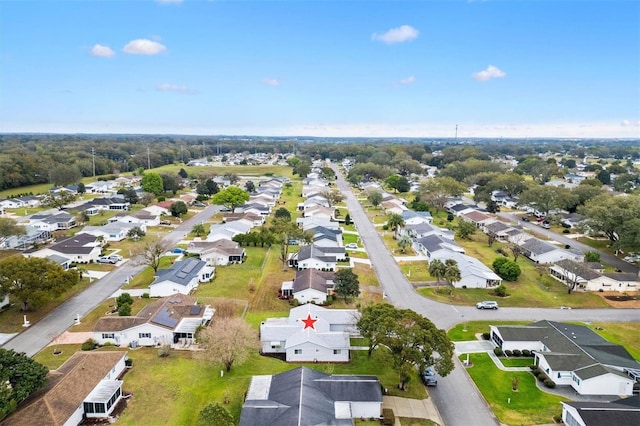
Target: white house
[[182, 277], [52, 222], [172, 320], [114, 231], [543, 252], [473, 273], [141, 217], [621, 412], [219, 252], [4, 301], [309, 285], [87, 386], [570, 272], [304, 396], [573, 355], [81, 248], [311, 333], [317, 257]]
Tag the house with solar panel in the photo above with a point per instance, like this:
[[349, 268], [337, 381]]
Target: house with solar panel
[[182, 277], [171, 320], [310, 333], [304, 396], [573, 355]]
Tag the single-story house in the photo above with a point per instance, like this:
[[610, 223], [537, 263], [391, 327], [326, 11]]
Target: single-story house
[[460, 209], [473, 273], [182, 277], [621, 412], [307, 223], [478, 218], [87, 386], [114, 231], [219, 252], [81, 248], [140, 217], [256, 219], [309, 285], [172, 320], [317, 257], [32, 237], [310, 333], [412, 217], [434, 246], [570, 272], [543, 252], [573, 355], [305, 397], [52, 222]]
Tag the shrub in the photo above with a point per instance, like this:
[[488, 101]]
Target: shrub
[[124, 298], [388, 418], [501, 251], [124, 310], [542, 377], [486, 336], [145, 296], [566, 231], [526, 352], [508, 352], [549, 383], [89, 345], [517, 352], [533, 367], [385, 227], [498, 262], [500, 291], [497, 351], [329, 300], [507, 269], [128, 362]]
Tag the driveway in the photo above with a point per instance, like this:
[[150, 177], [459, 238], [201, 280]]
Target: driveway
[[474, 346], [415, 408]]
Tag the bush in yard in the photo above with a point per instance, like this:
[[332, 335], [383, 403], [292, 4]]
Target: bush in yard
[[533, 368], [498, 262], [517, 352], [542, 377], [388, 418], [89, 345], [566, 231], [549, 383], [506, 268], [486, 336], [501, 291], [526, 352], [508, 352], [497, 351], [124, 310], [144, 296]]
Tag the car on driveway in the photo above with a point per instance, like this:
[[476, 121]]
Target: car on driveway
[[351, 246], [429, 377], [487, 304], [107, 259]]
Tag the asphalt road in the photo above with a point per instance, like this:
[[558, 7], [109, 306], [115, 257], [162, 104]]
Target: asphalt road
[[37, 336], [457, 399]]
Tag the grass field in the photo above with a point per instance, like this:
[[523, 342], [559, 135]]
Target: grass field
[[516, 362], [528, 405], [417, 271]]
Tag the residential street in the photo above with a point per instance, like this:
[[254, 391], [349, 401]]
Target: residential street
[[457, 399], [37, 336]]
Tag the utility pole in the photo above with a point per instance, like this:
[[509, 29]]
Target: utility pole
[[456, 138], [93, 160]]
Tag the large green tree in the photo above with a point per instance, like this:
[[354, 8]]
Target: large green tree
[[436, 191], [451, 271], [20, 376], [346, 284], [545, 198], [231, 197], [178, 209], [375, 198], [616, 217], [412, 340], [395, 221], [152, 182], [9, 227], [34, 281], [437, 269]]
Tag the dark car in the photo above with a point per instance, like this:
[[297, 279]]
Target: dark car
[[525, 219], [429, 377]]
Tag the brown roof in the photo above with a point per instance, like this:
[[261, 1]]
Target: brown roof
[[477, 216], [312, 278], [66, 389], [230, 217]]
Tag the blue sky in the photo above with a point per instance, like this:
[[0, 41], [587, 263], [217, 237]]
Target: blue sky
[[322, 68]]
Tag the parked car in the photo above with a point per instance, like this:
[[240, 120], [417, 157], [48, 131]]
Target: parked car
[[199, 204], [165, 222], [107, 259], [525, 218], [429, 377], [546, 224], [351, 246], [487, 304], [115, 257]]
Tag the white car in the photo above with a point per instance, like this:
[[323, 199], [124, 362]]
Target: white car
[[487, 304], [351, 246]]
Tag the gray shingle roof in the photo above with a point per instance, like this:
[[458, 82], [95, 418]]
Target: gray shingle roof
[[622, 412], [181, 272]]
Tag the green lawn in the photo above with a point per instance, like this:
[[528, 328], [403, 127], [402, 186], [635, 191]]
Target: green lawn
[[468, 330], [527, 405], [366, 275], [417, 271], [516, 361]]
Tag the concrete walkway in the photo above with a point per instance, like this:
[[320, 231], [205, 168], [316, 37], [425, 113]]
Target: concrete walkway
[[414, 408]]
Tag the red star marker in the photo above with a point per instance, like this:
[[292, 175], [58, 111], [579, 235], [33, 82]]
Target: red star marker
[[308, 322]]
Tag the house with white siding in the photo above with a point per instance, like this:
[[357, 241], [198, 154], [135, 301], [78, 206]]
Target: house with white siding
[[317, 257], [182, 277], [172, 320], [309, 286], [113, 231], [304, 396], [543, 252], [621, 412], [573, 355], [81, 248], [310, 333], [218, 253], [570, 273]]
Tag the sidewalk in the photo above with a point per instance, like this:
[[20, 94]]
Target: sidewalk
[[414, 408]]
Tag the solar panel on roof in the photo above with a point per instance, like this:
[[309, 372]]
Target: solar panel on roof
[[189, 266], [181, 274], [164, 318], [195, 310]]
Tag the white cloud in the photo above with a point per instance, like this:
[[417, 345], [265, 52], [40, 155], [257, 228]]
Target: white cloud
[[629, 123], [397, 35], [166, 87], [489, 73], [102, 51], [144, 46], [409, 80], [273, 82]]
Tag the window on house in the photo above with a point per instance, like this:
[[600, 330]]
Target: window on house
[[297, 351], [337, 351], [99, 407], [108, 336], [144, 335], [88, 408]]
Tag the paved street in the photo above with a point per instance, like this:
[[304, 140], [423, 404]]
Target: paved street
[[39, 335], [457, 399]]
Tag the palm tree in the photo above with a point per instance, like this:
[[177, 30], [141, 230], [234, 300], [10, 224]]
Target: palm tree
[[394, 221], [437, 269], [452, 272], [404, 242], [198, 229]]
